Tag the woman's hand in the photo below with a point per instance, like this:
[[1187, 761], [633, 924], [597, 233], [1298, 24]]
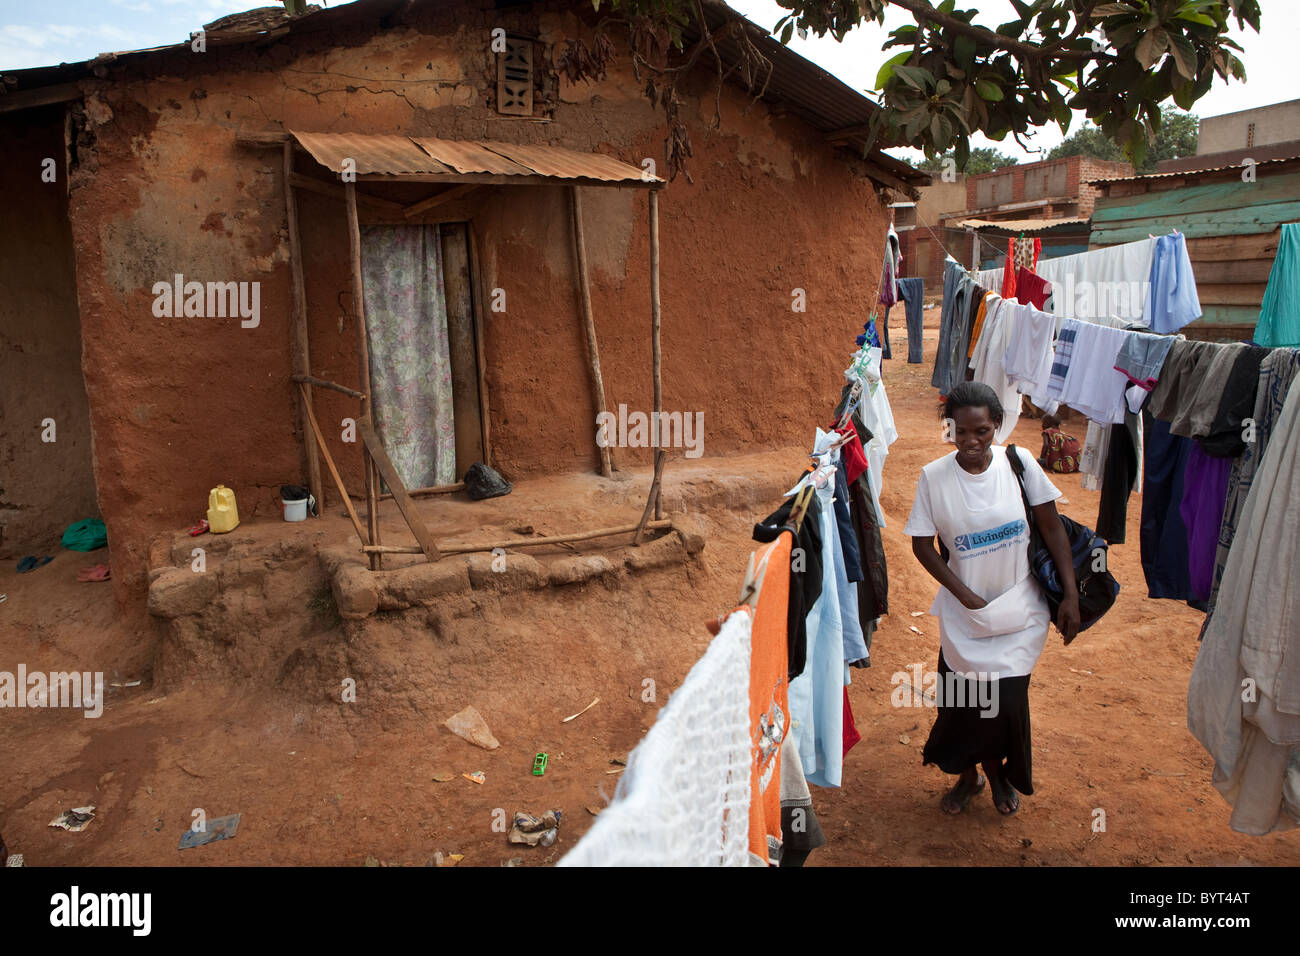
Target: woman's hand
[[923, 547], [1068, 618]]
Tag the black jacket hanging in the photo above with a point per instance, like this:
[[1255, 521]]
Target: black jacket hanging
[[805, 574]]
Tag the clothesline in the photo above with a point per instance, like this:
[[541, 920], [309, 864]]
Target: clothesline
[[831, 599], [1075, 261], [1213, 432], [1203, 390], [1198, 420]]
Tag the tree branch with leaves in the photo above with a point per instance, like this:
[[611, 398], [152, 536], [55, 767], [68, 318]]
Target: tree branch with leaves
[[1116, 62]]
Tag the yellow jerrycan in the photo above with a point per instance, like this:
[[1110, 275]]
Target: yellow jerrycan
[[223, 515]]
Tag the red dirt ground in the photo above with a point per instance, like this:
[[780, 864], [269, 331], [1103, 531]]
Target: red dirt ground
[[319, 782]]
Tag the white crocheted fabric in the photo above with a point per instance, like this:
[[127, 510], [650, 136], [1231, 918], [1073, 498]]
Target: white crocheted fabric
[[684, 798]]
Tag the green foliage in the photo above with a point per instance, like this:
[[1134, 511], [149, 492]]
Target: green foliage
[[1175, 136], [1117, 63], [1088, 140], [981, 160]]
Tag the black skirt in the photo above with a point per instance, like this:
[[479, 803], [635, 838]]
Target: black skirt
[[963, 736]]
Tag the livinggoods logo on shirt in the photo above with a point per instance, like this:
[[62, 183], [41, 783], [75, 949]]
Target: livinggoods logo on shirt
[[978, 540]]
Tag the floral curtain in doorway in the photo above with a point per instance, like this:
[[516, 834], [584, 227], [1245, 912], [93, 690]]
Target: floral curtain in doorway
[[410, 362]]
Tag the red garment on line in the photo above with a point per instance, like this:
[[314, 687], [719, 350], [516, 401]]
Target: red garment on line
[[1014, 263], [1031, 288], [851, 735], [855, 457]]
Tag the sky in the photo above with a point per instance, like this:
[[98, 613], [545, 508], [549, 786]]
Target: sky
[[42, 34]]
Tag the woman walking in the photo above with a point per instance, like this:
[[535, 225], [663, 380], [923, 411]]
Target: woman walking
[[992, 614]]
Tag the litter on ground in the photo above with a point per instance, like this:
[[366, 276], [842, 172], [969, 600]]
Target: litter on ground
[[581, 712], [470, 725], [529, 830], [75, 820], [220, 828]]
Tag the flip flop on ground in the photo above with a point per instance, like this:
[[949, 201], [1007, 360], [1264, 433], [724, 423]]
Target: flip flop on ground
[[99, 572]]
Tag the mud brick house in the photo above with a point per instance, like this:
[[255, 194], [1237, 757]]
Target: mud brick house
[[129, 178]]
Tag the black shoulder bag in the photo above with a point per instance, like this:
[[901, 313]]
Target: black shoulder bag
[[1097, 589]]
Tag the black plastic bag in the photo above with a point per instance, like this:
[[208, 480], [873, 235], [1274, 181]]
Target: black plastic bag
[[483, 482]]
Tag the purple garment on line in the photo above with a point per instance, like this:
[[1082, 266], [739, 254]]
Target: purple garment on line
[[1205, 489]]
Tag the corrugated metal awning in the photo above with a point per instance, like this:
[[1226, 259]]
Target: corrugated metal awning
[[470, 157], [1190, 173], [443, 160], [1018, 225], [370, 153]]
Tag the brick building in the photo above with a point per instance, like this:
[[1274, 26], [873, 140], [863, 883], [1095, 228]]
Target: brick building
[[1054, 189], [1262, 134]]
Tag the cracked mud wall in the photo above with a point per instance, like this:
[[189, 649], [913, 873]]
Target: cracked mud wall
[[160, 187], [44, 485]]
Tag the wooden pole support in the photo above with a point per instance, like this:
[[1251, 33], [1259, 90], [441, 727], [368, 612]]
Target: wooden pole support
[[301, 342], [335, 191], [519, 542], [312, 380], [438, 199], [652, 502], [363, 363], [334, 472], [366, 429], [589, 324], [431, 490], [655, 315], [372, 504], [479, 280]]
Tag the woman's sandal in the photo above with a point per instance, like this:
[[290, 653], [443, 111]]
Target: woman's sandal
[[961, 795], [1007, 798]]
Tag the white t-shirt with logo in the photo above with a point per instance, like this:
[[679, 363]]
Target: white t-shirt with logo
[[981, 519]]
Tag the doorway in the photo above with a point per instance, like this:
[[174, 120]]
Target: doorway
[[47, 478], [424, 352]]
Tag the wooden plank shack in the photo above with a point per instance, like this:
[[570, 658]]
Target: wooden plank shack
[[1232, 217]]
